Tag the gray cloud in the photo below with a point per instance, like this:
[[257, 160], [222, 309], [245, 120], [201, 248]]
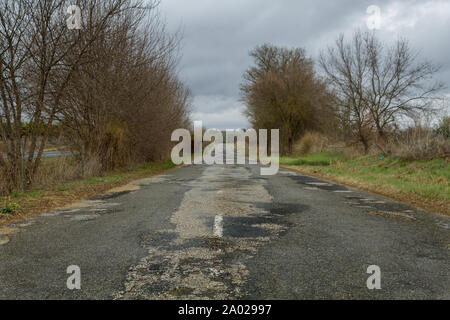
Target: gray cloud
[[218, 36]]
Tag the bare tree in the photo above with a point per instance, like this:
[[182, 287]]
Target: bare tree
[[282, 91], [375, 85], [122, 104], [35, 44], [14, 20]]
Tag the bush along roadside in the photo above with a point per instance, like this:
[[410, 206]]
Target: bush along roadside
[[21, 205]]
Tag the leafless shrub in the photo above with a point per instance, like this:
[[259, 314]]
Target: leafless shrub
[[419, 143], [123, 104], [375, 85], [311, 142]]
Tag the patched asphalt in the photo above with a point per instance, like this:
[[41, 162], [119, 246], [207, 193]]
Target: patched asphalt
[[225, 232]]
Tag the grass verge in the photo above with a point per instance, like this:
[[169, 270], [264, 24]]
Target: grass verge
[[423, 184], [21, 205]]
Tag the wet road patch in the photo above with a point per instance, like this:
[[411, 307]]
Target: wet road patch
[[282, 209], [238, 229]]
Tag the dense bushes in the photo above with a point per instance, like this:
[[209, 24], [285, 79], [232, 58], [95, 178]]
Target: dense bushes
[[282, 91], [110, 89]]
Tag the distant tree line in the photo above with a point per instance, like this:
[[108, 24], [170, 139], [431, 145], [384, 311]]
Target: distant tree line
[[112, 85]]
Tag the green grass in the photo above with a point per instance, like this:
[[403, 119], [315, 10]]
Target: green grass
[[318, 159], [415, 182], [119, 175]]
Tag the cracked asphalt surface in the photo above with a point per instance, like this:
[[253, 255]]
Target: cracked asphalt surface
[[225, 232]]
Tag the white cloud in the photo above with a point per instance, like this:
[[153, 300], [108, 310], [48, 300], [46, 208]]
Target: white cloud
[[406, 16]]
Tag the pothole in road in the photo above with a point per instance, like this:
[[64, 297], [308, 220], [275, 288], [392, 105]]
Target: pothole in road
[[312, 183], [87, 217], [244, 231], [181, 274], [384, 208], [394, 215], [282, 209], [194, 261], [102, 212], [354, 198]]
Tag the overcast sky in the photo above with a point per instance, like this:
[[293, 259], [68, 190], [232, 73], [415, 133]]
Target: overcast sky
[[218, 36]]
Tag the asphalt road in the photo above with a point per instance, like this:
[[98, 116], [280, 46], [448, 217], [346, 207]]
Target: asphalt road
[[50, 154], [55, 154], [225, 232]]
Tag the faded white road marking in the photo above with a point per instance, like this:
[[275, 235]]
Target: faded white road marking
[[218, 226]]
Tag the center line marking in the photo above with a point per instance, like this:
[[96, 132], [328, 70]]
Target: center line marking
[[218, 226]]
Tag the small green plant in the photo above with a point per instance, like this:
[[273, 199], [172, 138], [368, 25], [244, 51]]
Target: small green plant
[[18, 195], [6, 210], [10, 208]]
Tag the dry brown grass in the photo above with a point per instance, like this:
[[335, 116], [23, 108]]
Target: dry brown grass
[[58, 195], [311, 142], [419, 143], [56, 170]]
